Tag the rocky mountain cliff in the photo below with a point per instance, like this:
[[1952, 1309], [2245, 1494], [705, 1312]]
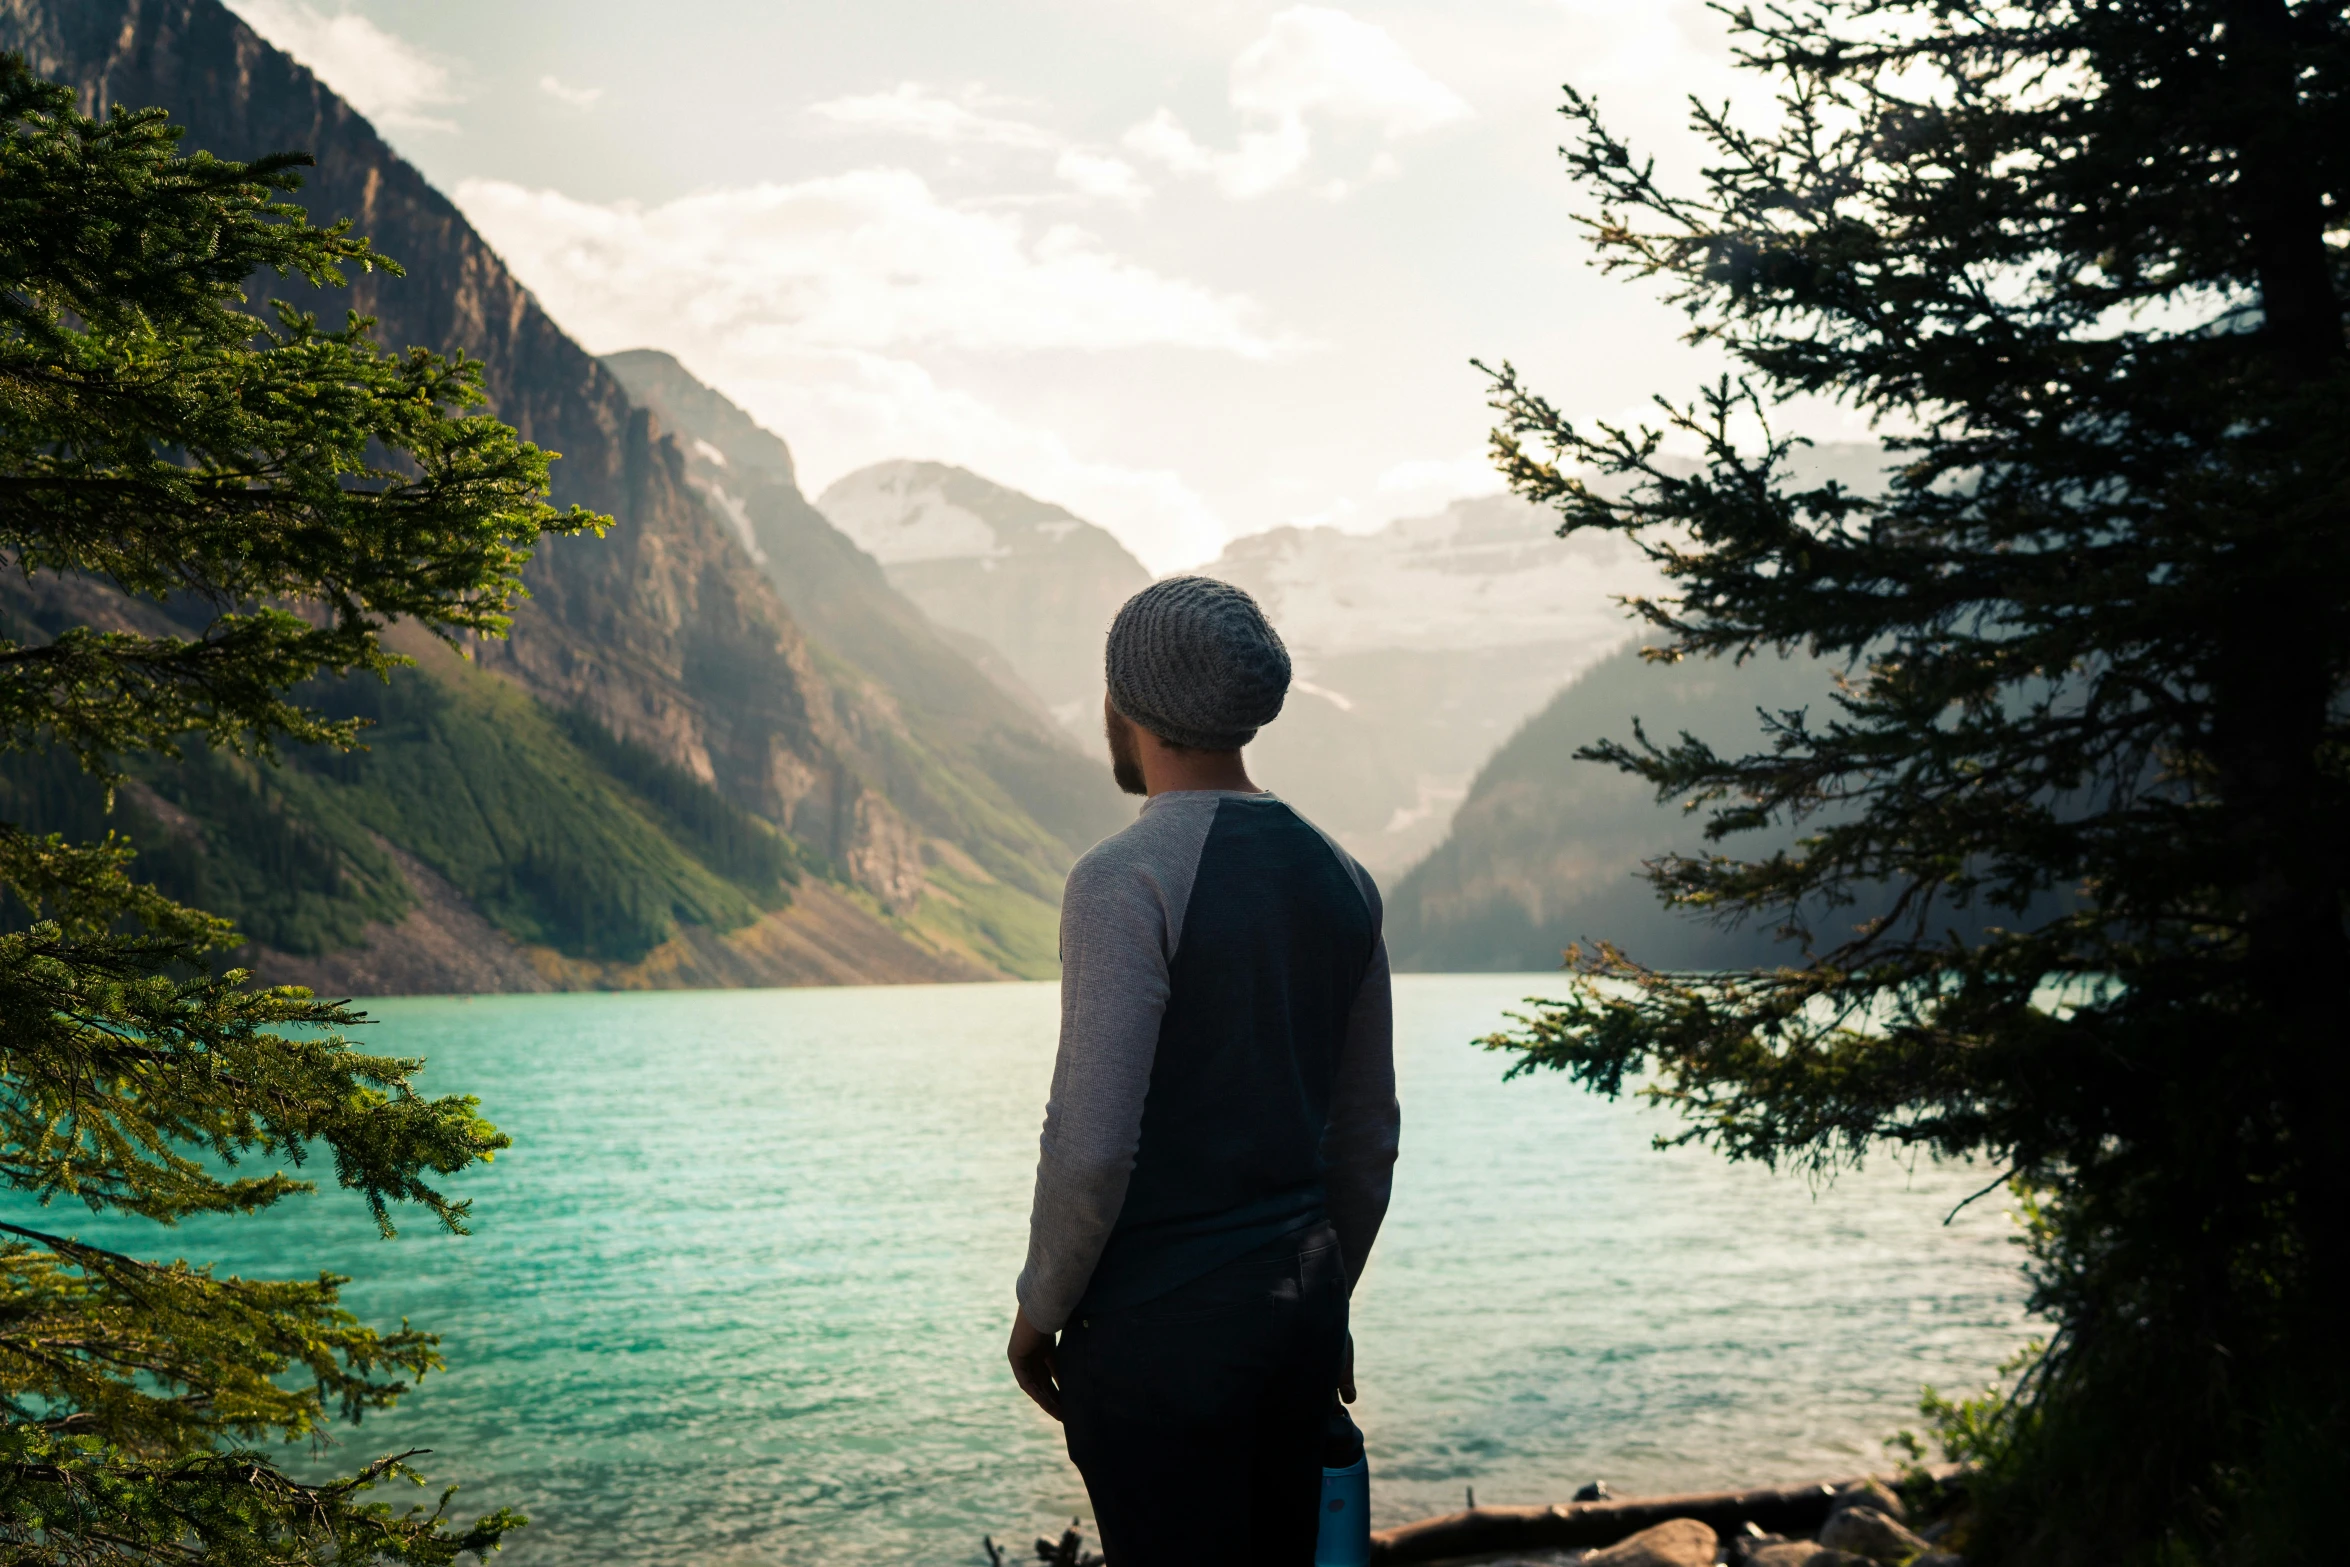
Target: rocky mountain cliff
[[654, 662], [1035, 584], [968, 754]]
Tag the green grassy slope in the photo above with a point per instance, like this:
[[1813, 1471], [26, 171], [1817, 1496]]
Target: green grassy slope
[[486, 786], [561, 834]]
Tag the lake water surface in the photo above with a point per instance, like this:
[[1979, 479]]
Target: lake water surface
[[739, 1292]]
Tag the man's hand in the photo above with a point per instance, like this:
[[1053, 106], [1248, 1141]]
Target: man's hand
[[1346, 1371], [1031, 1354]]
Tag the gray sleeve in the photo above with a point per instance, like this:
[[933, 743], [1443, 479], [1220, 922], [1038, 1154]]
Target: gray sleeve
[[1120, 919], [1365, 1122]]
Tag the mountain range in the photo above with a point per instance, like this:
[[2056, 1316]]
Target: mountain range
[[716, 749], [1545, 849], [1417, 648], [744, 738], [1014, 578]]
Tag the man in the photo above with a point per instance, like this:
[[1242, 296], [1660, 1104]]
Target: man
[[1217, 1149]]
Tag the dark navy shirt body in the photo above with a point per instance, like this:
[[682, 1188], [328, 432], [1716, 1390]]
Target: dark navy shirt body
[[1226, 1074], [1276, 941]]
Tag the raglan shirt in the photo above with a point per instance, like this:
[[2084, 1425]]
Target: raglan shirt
[[1226, 1067]]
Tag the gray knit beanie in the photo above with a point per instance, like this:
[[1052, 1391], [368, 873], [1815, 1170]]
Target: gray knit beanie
[[1193, 660]]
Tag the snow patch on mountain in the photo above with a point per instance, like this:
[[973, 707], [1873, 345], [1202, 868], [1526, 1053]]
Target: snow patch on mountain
[[1021, 575], [898, 518], [1483, 573]]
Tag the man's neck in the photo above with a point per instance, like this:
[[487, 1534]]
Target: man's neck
[[1167, 772]]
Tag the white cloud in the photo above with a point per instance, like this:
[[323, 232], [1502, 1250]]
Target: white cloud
[[1097, 174], [577, 97], [380, 74], [965, 119], [1264, 160], [1314, 59], [1655, 43], [869, 259], [911, 109], [1342, 514], [1441, 478], [1311, 61], [808, 304]]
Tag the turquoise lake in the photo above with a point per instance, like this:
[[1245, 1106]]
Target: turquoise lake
[[739, 1292]]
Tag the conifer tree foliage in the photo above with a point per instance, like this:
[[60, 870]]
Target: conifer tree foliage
[[2071, 891], [200, 509]]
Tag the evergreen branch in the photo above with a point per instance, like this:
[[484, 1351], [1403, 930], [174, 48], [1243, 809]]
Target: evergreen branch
[[165, 451]]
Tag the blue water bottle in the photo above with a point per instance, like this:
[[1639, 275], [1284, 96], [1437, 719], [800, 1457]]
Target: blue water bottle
[[1345, 1537]]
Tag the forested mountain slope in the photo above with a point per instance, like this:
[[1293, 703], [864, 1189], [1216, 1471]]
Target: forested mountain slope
[[1546, 850], [548, 794]]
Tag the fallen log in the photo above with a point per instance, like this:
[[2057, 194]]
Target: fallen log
[[1792, 1510]]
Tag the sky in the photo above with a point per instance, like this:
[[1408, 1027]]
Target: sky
[[1191, 268]]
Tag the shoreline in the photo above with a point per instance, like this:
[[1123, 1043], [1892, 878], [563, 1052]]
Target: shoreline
[[1769, 1526]]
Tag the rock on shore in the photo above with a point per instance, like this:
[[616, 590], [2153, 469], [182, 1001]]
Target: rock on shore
[[1679, 1542]]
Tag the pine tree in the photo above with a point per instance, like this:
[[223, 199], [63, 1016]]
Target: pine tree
[[200, 509], [2070, 894]]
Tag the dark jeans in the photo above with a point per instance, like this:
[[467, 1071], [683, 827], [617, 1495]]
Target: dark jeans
[[1197, 1418]]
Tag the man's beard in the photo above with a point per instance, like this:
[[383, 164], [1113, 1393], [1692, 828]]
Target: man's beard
[[1125, 758]]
